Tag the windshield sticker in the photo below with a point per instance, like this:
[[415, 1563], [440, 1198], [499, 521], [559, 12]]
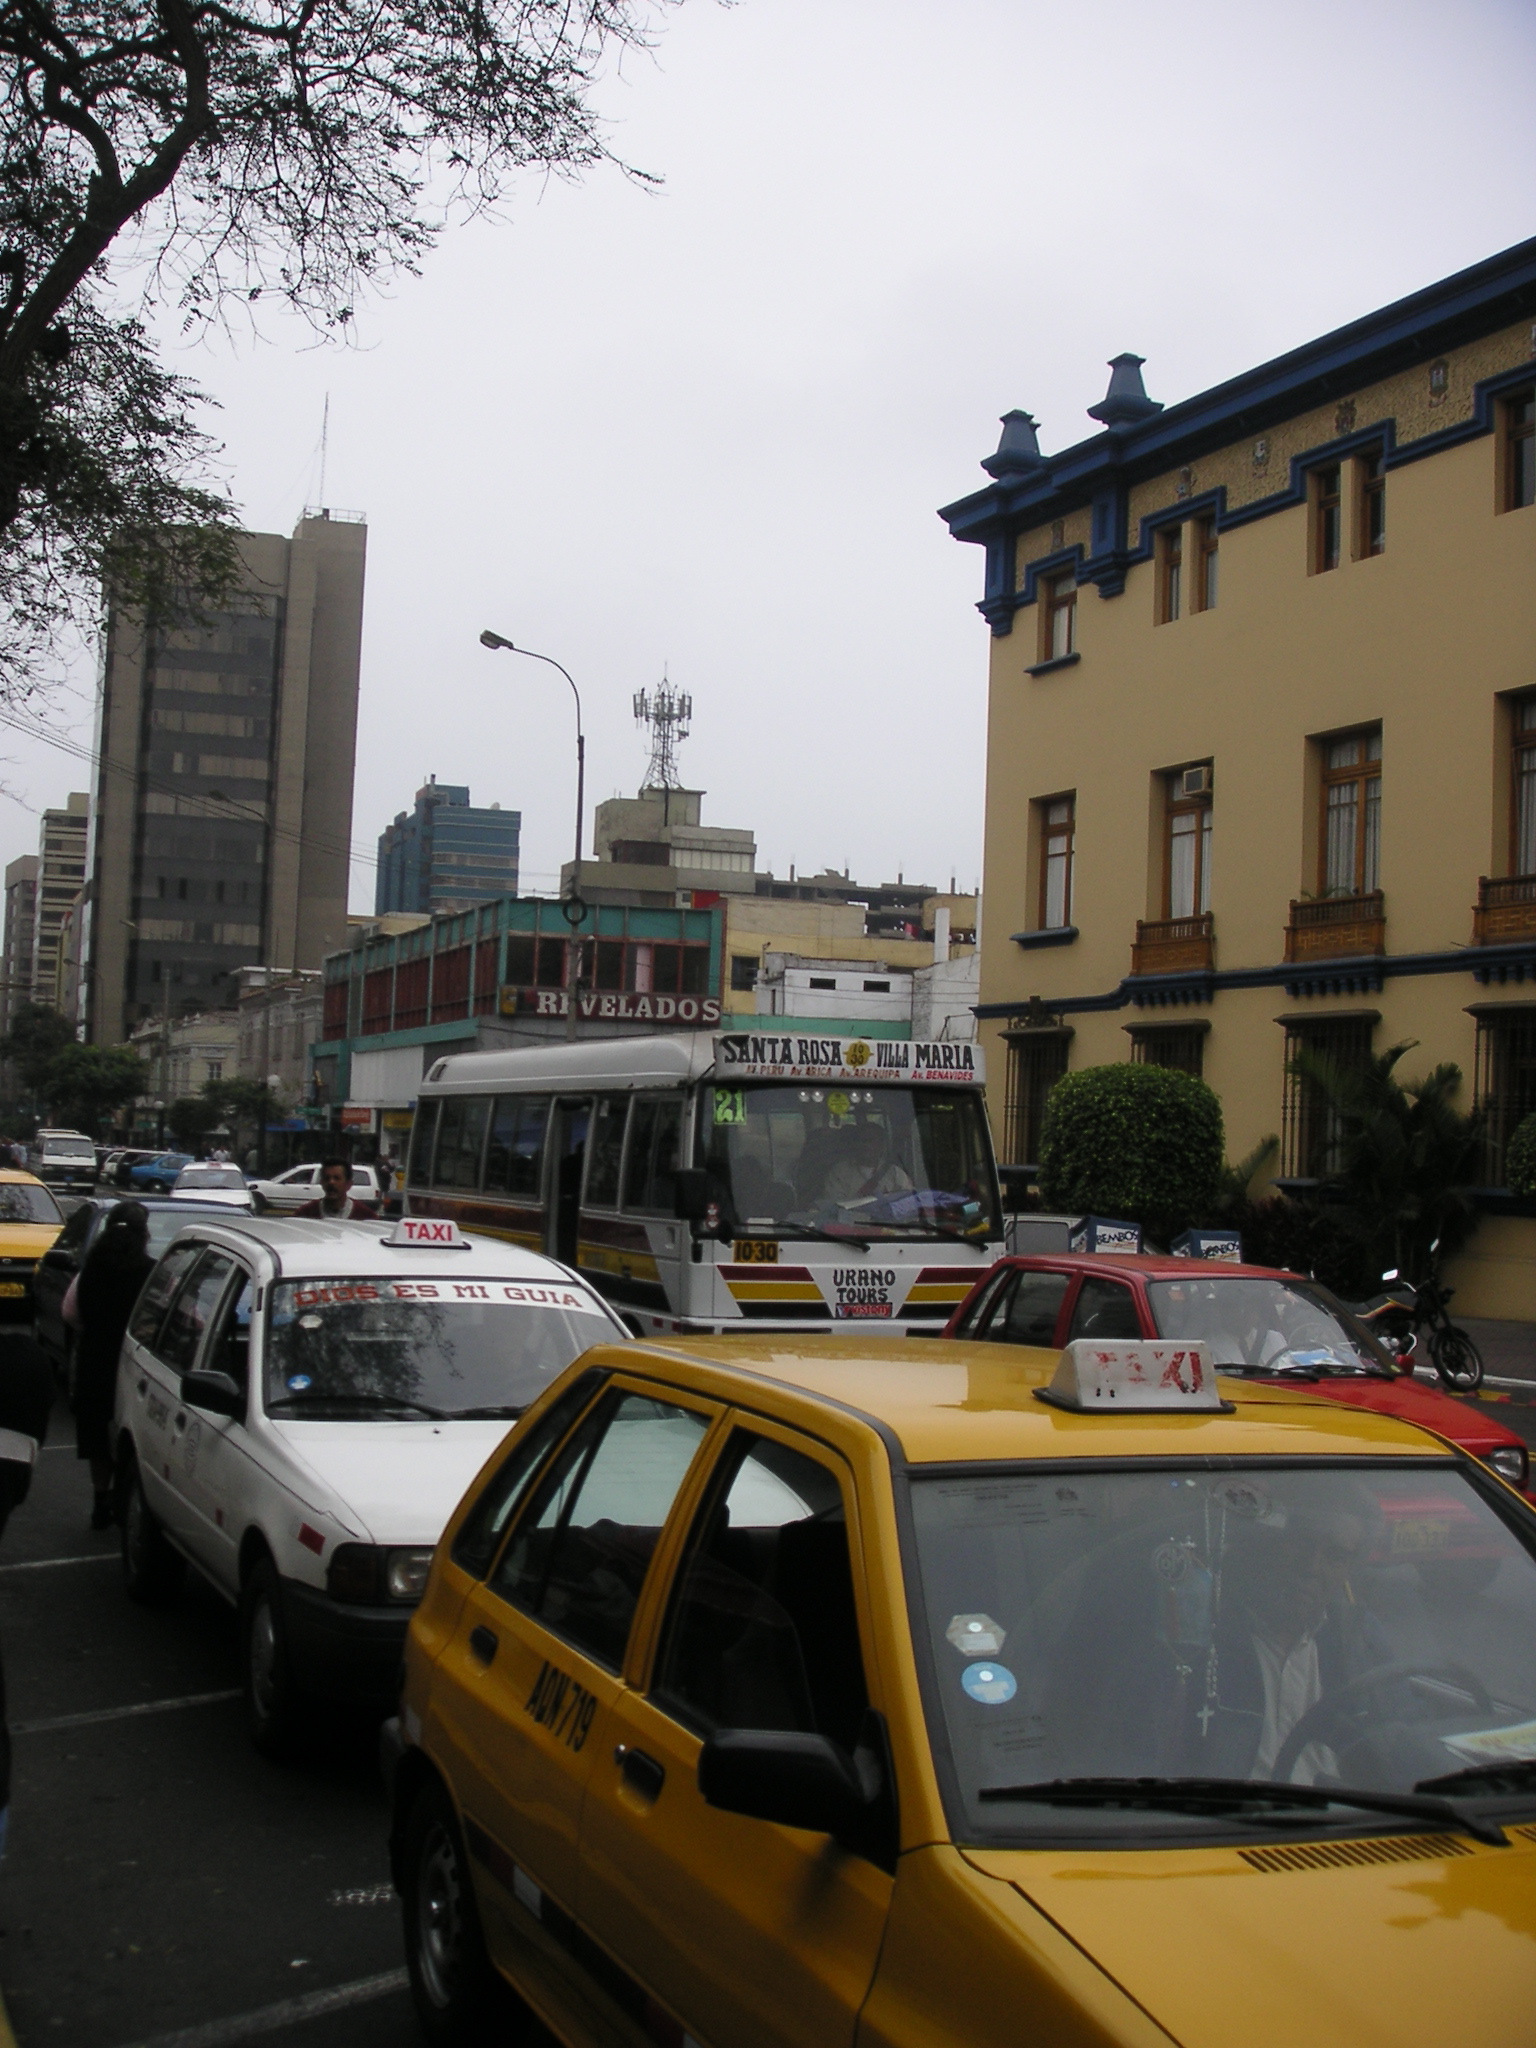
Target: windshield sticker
[[730, 1106], [838, 1104], [976, 1635], [992, 1685], [1243, 1497], [311, 1322], [298, 1381], [1495, 1745], [346, 1294]]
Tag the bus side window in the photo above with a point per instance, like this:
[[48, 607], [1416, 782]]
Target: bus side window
[[423, 1134], [460, 1141], [516, 1149], [605, 1151], [650, 1178]]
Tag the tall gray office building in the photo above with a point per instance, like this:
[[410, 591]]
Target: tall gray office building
[[446, 851], [222, 830]]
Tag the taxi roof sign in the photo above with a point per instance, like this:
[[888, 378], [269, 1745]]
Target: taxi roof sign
[[430, 1233], [1114, 1376]]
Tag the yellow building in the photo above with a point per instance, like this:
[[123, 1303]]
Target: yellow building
[[1262, 732]]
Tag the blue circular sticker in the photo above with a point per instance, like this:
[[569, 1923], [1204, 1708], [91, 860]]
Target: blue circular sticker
[[298, 1381], [989, 1683]]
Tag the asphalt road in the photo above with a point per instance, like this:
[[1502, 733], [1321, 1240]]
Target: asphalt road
[[161, 1877]]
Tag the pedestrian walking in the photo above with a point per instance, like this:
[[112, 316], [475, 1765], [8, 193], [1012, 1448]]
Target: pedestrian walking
[[338, 1200], [115, 1269]]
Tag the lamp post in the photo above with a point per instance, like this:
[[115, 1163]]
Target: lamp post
[[573, 909]]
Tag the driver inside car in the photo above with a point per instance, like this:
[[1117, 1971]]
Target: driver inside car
[[863, 1171]]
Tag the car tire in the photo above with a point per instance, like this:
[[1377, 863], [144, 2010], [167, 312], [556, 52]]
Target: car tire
[[277, 1711], [152, 1569], [457, 1993]]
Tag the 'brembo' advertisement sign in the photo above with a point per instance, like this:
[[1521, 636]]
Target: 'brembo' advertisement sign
[[760, 1056]]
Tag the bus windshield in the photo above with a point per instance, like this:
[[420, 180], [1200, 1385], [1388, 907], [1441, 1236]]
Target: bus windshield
[[876, 1163]]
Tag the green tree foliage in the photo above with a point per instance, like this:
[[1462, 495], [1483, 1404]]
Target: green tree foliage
[[222, 153], [189, 1119], [85, 1084], [1407, 1162], [1140, 1142], [239, 1100], [36, 1035], [1520, 1159]]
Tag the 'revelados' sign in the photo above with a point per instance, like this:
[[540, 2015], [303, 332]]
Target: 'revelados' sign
[[760, 1056], [627, 1006]]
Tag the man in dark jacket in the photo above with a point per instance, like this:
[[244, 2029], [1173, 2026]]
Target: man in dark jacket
[[338, 1200], [26, 1395]]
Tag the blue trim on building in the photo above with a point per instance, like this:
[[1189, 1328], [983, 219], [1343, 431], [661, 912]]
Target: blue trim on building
[[1364, 975], [1099, 472], [1050, 935]]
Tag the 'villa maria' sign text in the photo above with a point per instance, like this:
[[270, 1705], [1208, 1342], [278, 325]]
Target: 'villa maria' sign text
[[751, 1055], [619, 1007]]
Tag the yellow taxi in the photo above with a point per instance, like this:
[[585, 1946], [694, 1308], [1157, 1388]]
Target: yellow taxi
[[30, 1220], [832, 1694]]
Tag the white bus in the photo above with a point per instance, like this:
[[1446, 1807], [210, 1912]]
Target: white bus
[[736, 1183]]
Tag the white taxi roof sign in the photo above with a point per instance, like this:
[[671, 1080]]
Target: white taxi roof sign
[[430, 1233], [1116, 1376]]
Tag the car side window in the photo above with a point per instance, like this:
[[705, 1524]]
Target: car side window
[[229, 1350], [578, 1557], [193, 1310], [1030, 1314], [983, 1308], [763, 1628], [482, 1529], [158, 1289], [1104, 1308]]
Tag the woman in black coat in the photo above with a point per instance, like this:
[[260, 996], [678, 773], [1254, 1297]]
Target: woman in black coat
[[115, 1268]]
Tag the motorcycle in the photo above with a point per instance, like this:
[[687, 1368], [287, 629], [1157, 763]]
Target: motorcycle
[[1396, 1317]]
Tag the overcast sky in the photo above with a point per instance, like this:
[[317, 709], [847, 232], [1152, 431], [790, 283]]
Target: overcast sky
[[706, 429]]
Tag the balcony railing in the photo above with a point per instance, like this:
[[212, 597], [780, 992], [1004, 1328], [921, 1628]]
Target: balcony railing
[[1506, 909], [1174, 945], [1337, 927]]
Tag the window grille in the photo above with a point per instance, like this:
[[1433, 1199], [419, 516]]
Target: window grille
[[1505, 1085], [1170, 1045], [1036, 1062], [1310, 1131]]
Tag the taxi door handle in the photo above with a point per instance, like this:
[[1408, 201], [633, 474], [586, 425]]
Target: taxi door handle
[[483, 1643], [640, 1772]]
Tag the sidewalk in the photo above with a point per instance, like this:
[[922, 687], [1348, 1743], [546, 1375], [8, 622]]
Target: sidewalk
[[1509, 1349]]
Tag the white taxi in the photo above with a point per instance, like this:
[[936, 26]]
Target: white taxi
[[300, 1405]]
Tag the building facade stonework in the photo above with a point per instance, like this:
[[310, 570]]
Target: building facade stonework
[[1262, 735]]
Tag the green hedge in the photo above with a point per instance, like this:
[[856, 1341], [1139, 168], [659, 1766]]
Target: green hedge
[[1520, 1159], [1144, 1143]]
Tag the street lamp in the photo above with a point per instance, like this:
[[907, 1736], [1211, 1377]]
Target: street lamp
[[573, 909]]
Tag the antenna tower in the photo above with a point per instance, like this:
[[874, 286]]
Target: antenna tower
[[668, 713]]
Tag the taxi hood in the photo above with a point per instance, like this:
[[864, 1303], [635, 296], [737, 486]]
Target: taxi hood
[[1398, 1941], [391, 1482]]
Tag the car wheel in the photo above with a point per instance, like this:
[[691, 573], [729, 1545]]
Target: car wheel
[[152, 1570], [276, 1710], [456, 1990]]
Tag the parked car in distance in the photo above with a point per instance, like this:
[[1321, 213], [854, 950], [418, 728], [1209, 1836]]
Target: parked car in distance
[[66, 1160], [63, 1259], [205, 1180], [1260, 1322], [158, 1171], [119, 1162], [30, 1221], [285, 1192], [300, 1405]]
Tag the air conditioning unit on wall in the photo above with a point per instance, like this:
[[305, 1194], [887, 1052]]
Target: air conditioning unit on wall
[[1195, 781]]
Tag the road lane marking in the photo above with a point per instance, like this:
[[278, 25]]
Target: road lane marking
[[48, 1564], [191, 1699], [287, 2012]]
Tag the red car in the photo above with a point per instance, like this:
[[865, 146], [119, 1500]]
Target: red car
[[1259, 1322]]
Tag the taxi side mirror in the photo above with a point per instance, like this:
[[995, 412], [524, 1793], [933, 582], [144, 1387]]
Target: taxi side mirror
[[216, 1393], [799, 1781]]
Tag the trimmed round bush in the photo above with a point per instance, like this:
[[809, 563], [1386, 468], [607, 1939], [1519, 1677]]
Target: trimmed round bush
[[1143, 1143], [1520, 1159]]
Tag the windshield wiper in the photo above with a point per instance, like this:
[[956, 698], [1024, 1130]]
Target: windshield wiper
[[359, 1401], [492, 1413], [1515, 1774], [1198, 1794], [782, 1230]]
